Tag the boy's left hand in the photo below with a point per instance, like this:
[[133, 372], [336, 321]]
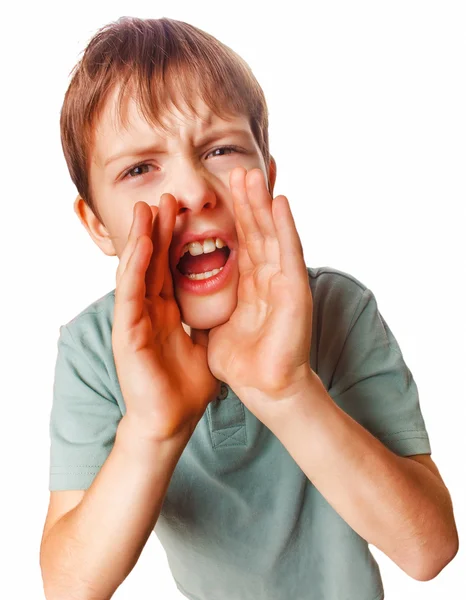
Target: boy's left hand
[[263, 350]]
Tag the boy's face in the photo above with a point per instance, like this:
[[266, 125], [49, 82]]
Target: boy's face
[[186, 164]]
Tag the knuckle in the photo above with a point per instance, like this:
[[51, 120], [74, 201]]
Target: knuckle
[[129, 341]]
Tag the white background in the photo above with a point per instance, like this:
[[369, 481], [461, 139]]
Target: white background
[[367, 124]]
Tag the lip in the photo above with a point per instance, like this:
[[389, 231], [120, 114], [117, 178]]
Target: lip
[[191, 236], [211, 285]]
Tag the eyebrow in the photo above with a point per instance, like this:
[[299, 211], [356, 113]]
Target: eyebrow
[[140, 151]]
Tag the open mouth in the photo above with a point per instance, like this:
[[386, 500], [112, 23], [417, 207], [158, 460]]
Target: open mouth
[[203, 261]]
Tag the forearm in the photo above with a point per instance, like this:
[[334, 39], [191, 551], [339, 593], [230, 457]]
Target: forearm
[[90, 551], [396, 504]]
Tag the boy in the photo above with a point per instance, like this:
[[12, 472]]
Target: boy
[[254, 412]]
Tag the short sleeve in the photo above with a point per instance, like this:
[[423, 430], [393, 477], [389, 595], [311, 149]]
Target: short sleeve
[[373, 384], [83, 419]]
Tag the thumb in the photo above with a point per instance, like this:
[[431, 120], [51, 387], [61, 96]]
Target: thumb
[[200, 336]]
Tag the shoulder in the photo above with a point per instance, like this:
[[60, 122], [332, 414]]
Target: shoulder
[[95, 319], [325, 281], [89, 334], [337, 295], [339, 301]]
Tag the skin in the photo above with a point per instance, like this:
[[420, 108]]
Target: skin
[[188, 169]]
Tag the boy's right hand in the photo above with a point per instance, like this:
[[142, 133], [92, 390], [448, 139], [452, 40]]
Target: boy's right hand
[[163, 372]]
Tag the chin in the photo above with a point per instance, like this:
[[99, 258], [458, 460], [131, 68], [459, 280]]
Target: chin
[[206, 312]]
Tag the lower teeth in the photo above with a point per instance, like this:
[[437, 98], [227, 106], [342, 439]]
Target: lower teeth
[[205, 275]]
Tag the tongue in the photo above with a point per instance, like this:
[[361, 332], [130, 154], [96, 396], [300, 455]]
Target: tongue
[[204, 262]]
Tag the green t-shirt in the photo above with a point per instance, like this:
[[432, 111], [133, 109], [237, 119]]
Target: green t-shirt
[[240, 520]]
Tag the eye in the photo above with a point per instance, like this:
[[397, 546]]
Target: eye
[[232, 148], [139, 166], [133, 175]]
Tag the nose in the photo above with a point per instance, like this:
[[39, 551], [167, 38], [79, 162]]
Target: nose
[[192, 189]]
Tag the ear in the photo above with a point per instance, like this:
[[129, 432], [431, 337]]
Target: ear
[[272, 174], [94, 227]]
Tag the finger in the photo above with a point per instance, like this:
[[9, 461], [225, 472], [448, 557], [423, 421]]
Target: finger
[[161, 238], [141, 225], [254, 239], [245, 263], [261, 204], [131, 289], [291, 251], [167, 291]]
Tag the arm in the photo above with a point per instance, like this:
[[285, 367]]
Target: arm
[[263, 352], [395, 504], [89, 552], [166, 385]]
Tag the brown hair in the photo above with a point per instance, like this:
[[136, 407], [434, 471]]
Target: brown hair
[[156, 58]]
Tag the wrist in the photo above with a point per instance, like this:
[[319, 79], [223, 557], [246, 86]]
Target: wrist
[[272, 405], [302, 379], [138, 434]]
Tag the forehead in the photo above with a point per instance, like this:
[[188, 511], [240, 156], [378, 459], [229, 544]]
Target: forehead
[[110, 130]]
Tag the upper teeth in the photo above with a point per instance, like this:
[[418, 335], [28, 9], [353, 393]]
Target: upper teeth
[[202, 247]]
